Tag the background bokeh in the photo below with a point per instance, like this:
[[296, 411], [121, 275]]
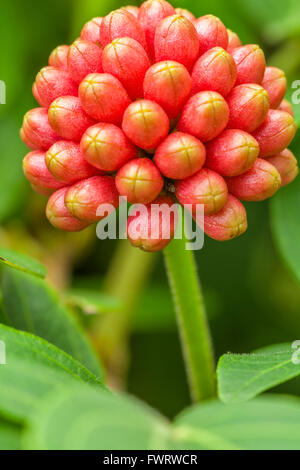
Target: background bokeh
[[252, 294]]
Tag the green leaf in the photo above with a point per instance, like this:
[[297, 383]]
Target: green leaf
[[243, 376], [32, 305], [81, 418], [91, 301], [10, 436], [22, 262], [285, 224], [36, 350], [265, 423]]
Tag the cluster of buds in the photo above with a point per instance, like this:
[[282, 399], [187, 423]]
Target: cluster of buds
[[158, 106]]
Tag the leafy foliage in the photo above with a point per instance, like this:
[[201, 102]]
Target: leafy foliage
[[22, 262]]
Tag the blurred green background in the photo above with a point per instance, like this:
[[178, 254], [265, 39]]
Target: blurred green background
[[252, 294]]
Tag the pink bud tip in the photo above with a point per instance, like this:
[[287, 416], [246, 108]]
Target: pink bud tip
[[83, 58], [186, 13], [250, 62], [286, 106], [36, 131], [211, 32], [233, 41], [275, 83], [59, 216], [139, 180], [84, 199], [119, 24], [50, 83], [287, 165], [36, 171], [58, 57], [260, 182], [205, 187], [91, 30], [230, 222], [205, 115]]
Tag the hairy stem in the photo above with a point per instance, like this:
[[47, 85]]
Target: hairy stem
[[191, 317]]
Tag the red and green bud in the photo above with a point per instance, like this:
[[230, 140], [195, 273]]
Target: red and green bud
[[66, 162], [176, 39], [50, 83], [59, 57], [230, 222], [139, 180], [168, 83], [68, 119], [59, 216], [186, 13], [84, 199], [120, 24], [215, 70], [286, 106], [205, 187], [211, 32], [248, 105], [151, 13], [36, 131], [106, 147], [276, 132], [103, 97], [91, 30], [127, 60], [133, 9], [260, 182], [146, 124], [152, 228], [275, 83], [250, 63], [287, 166], [205, 115], [233, 41], [37, 173], [180, 156], [233, 152], [83, 58]]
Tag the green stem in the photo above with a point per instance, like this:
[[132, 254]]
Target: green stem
[[191, 317]]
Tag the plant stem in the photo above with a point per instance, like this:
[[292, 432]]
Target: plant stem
[[191, 319], [127, 274]]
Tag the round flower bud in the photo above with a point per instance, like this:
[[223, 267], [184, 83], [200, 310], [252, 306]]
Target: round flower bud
[[230, 222], [84, 198], [233, 41], [139, 180], [168, 83], [119, 24], [105, 146], [215, 70], [233, 152], [103, 97], [127, 60], [36, 131], [260, 182], [59, 216], [287, 166], [176, 39], [250, 63], [248, 106], [68, 119], [186, 13], [287, 107], [50, 83], [275, 83], [151, 13], [146, 124], [133, 9], [91, 30], [58, 57], [205, 115], [211, 32], [180, 156], [66, 162], [205, 187], [276, 132], [83, 58], [37, 173], [154, 228]]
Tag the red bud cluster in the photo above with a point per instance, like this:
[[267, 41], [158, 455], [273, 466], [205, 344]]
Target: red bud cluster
[[156, 105]]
